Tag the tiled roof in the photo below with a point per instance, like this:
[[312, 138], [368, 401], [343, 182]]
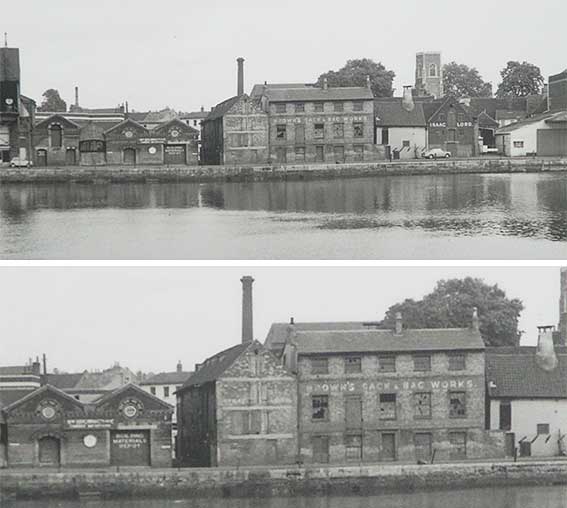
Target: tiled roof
[[557, 77], [514, 373], [92, 130], [222, 108], [196, 115], [64, 381], [486, 121], [392, 114], [375, 341], [560, 117], [258, 89], [130, 387], [492, 104], [216, 365], [167, 378], [10, 396], [319, 94]]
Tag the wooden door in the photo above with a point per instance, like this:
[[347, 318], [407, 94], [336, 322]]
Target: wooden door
[[42, 158], [281, 155], [49, 451], [388, 446], [70, 157], [510, 444], [129, 156], [422, 443], [319, 153], [130, 448]]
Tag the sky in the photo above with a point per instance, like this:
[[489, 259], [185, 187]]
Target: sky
[[148, 318], [182, 54]]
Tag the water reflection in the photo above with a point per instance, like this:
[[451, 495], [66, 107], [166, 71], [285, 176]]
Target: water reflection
[[523, 206]]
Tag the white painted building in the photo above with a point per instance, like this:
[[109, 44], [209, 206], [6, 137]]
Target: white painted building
[[527, 393]]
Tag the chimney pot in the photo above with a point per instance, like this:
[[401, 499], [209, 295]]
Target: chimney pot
[[399, 324], [291, 321], [247, 311]]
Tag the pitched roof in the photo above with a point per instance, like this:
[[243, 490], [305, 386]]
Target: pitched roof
[[392, 113], [167, 378], [222, 108], [176, 121], [522, 123], [319, 94], [486, 121], [44, 388], [197, 115], [212, 368], [514, 373], [560, 117], [8, 397], [258, 89], [127, 121], [377, 341], [11, 370], [115, 393], [64, 381]]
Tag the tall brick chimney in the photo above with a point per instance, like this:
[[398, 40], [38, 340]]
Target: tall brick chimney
[[399, 324], [240, 89], [546, 358], [247, 321], [76, 96]]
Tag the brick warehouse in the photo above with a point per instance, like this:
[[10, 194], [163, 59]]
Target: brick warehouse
[[369, 395], [127, 427], [239, 407]]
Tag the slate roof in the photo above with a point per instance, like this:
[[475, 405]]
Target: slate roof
[[8, 397], [222, 108], [319, 94], [194, 115], [378, 341], [11, 370], [487, 122], [92, 130], [167, 378], [513, 373], [115, 393], [522, 123], [215, 366], [560, 117], [258, 89], [557, 77], [391, 113], [64, 381]]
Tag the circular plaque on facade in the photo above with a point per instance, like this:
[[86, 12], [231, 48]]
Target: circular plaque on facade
[[48, 412], [174, 133], [48, 409], [9, 101], [152, 150], [128, 134], [131, 408], [89, 441]]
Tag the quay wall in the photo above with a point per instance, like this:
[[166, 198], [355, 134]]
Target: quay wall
[[265, 482], [265, 173]]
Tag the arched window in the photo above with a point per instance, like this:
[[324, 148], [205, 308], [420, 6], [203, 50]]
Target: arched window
[[56, 134], [432, 70]]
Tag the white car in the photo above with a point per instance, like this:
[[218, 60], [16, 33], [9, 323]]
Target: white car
[[20, 163], [436, 153]]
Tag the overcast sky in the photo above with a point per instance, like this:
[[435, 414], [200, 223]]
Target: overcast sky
[[149, 318], [181, 53]]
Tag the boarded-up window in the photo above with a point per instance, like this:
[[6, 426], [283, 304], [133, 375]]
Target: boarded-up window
[[357, 106], [458, 441], [299, 107], [422, 363], [300, 154], [457, 362], [338, 130], [246, 422], [422, 405], [353, 447], [320, 407], [319, 107], [457, 405], [281, 131], [319, 130], [300, 133], [339, 107], [56, 134], [387, 406], [358, 129], [319, 366], [353, 365], [505, 415], [543, 429], [387, 363]]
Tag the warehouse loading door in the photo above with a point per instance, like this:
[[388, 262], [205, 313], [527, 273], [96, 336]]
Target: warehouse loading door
[[130, 448]]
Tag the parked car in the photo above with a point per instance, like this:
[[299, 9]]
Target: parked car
[[20, 163], [436, 153]]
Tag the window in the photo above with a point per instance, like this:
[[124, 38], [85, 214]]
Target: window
[[457, 362], [405, 144], [338, 107], [281, 108], [319, 107], [385, 136], [153, 390], [505, 415], [457, 405], [358, 129], [543, 429], [319, 130], [422, 363], [422, 405], [358, 152], [353, 447], [358, 106], [458, 442], [246, 422], [281, 131], [320, 407], [319, 153], [518, 144], [319, 366], [432, 70], [56, 135], [460, 118], [300, 154], [338, 130], [300, 107], [166, 391], [387, 406], [353, 365], [441, 117], [387, 363]]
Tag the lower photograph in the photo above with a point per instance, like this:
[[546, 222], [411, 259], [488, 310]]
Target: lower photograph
[[281, 387]]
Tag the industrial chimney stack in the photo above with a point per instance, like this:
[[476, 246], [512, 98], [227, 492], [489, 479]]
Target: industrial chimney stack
[[247, 321], [76, 96], [240, 89]]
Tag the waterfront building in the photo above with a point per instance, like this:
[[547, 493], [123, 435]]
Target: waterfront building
[[127, 427], [527, 392], [558, 92], [373, 395], [429, 74], [164, 386], [239, 407], [16, 110], [401, 125]]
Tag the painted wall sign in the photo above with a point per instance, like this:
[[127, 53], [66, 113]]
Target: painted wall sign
[[129, 440], [393, 385], [318, 119], [90, 423], [149, 141]]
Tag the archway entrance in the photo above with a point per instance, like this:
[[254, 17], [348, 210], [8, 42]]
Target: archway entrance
[[129, 156], [49, 451], [71, 157]]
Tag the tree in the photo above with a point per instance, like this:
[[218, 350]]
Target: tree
[[52, 101], [451, 304], [520, 80], [463, 81], [354, 73]]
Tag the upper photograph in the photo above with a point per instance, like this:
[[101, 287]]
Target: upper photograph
[[293, 131]]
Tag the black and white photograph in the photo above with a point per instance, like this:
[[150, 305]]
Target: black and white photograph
[[283, 386]]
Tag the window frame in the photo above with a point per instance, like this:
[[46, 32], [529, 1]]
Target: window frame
[[338, 130], [456, 367], [357, 129], [281, 132], [299, 107], [318, 107], [391, 359], [358, 105], [417, 367], [351, 360], [281, 107], [319, 369], [394, 403], [319, 128], [451, 397], [417, 416], [323, 406], [338, 107]]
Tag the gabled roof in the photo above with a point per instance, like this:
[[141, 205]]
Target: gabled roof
[[558, 77], [431, 108], [385, 341], [9, 396], [167, 378], [106, 398], [487, 122], [39, 391], [93, 130], [57, 117], [319, 94], [215, 366], [124, 123], [194, 115], [514, 373], [391, 113], [222, 108], [177, 121]]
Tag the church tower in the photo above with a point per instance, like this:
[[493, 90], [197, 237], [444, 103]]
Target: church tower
[[429, 74], [9, 102]]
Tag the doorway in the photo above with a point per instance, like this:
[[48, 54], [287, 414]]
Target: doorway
[[42, 158], [422, 443], [71, 157], [49, 451], [388, 450], [129, 156]]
